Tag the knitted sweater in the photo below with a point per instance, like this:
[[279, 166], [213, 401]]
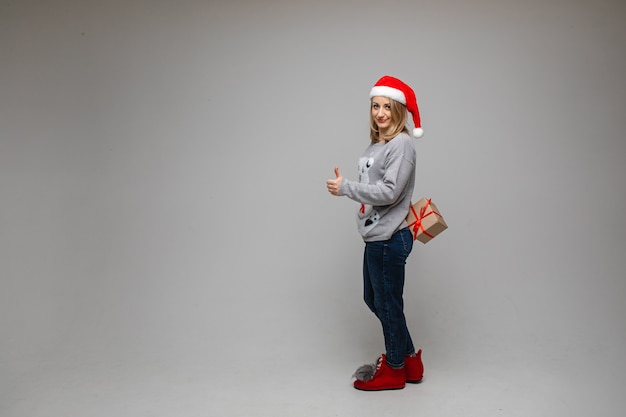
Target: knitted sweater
[[384, 189]]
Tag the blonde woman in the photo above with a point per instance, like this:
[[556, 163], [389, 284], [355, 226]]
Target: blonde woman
[[383, 193]]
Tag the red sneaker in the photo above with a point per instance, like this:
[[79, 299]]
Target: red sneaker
[[385, 378], [414, 368]]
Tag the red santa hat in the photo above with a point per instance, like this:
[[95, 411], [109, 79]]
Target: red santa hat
[[395, 89]]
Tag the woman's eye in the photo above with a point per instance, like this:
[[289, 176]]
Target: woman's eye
[[387, 107]]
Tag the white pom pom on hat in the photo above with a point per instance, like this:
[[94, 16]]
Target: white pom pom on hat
[[395, 89]]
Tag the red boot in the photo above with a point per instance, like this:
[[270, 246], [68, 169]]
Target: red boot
[[384, 378], [414, 368]]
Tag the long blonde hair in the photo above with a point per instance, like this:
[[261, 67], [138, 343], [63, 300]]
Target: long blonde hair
[[399, 118]]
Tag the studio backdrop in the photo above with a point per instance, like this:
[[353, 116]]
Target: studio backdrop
[[163, 168]]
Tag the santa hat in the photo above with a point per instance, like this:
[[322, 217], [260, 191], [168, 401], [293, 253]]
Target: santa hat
[[397, 90]]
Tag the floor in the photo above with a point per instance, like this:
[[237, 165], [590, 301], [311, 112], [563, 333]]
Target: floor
[[498, 383]]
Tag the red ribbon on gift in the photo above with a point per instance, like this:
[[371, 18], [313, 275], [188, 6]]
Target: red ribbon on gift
[[417, 224]]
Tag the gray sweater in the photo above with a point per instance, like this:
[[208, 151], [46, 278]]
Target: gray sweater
[[384, 189]]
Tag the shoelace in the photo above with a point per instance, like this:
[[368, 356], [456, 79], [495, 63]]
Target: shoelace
[[379, 363]]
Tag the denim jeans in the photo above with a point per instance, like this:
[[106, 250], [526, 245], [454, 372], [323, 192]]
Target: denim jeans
[[383, 286]]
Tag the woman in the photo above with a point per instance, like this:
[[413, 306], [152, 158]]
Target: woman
[[384, 191]]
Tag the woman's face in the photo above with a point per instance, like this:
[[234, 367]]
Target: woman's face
[[381, 112]]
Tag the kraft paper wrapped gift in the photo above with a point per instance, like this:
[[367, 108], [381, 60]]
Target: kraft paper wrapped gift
[[425, 221]]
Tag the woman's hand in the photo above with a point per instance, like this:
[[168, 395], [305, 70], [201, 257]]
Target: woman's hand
[[334, 185]]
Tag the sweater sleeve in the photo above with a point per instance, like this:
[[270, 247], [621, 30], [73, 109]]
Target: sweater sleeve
[[398, 168]]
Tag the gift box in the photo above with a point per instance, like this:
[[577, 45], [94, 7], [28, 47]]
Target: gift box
[[425, 221]]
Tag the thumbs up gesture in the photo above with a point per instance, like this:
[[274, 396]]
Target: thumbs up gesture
[[334, 185]]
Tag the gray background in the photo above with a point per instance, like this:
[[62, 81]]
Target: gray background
[[168, 247]]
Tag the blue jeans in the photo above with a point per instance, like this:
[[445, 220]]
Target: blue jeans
[[383, 286]]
